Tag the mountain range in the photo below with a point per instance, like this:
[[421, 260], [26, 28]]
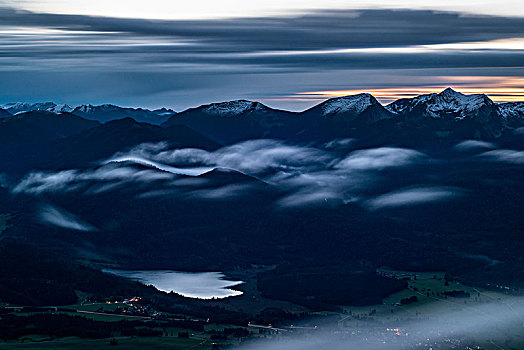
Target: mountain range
[[353, 110], [431, 183], [446, 115], [360, 109], [102, 113], [35, 137]]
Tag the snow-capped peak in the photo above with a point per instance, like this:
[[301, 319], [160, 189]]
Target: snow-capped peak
[[448, 103], [164, 111], [232, 108], [450, 93], [85, 108], [511, 110], [89, 108], [22, 107], [60, 108], [355, 104]]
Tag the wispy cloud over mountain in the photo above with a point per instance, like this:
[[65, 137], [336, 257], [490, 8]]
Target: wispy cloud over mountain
[[467, 145], [73, 180], [412, 196], [505, 156], [379, 158], [303, 175], [52, 215], [254, 156]]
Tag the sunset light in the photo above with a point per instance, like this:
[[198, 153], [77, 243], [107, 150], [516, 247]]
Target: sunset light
[[386, 95]]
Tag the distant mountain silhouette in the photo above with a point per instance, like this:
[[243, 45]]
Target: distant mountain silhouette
[[434, 118], [105, 113], [37, 126], [23, 107], [102, 113], [21, 136]]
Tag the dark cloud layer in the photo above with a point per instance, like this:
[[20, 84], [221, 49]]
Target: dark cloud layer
[[320, 30], [156, 60]]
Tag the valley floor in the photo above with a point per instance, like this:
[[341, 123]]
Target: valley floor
[[441, 314]]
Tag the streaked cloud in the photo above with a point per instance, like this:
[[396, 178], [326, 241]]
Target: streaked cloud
[[110, 177], [468, 145], [227, 192], [295, 175], [339, 143], [289, 61], [52, 215], [178, 171], [254, 156], [254, 8], [412, 196], [379, 158], [309, 197], [505, 156]]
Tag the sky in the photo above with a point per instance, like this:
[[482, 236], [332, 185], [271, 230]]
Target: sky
[[289, 55]]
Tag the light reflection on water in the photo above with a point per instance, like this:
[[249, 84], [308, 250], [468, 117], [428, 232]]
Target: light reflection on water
[[201, 285]]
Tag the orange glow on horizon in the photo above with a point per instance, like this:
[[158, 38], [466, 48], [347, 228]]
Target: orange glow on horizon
[[499, 89], [392, 94]]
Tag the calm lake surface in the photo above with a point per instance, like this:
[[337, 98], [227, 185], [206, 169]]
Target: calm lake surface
[[201, 285]]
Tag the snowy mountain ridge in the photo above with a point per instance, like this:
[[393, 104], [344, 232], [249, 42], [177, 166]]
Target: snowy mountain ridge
[[347, 104], [233, 108], [447, 104], [22, 107]]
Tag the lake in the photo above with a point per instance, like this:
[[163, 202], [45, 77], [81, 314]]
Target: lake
[[201, 285]]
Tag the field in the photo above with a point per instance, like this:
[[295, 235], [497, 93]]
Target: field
[[429, 288], [171, 340], [124, 343], [438, 304]]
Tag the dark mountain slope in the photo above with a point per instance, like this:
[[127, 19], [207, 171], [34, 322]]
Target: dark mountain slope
[[119, 135], [354, 110], [341, 117], [4, 113], [35, 127], [234, 121], [105, 113], [22, 136]]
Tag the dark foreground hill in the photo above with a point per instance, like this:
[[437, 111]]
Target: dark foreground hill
[[70, 141], [22, 136]]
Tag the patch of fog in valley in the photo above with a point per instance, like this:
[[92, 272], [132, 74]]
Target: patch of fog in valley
[[497, 324]]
